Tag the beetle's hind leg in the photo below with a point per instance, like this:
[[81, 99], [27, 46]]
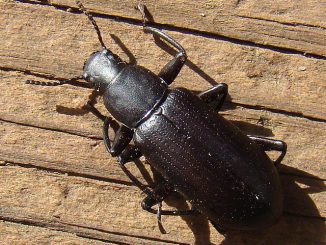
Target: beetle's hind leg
[[215, 96], [271, 145]]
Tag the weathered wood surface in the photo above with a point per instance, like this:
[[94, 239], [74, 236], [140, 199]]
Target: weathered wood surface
[[35, 195], [292, 25], [13, 233], [57, 183], [55, 43]]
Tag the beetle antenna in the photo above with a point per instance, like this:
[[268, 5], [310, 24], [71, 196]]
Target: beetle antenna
[[34, 82], [72, 81], [90, 17]]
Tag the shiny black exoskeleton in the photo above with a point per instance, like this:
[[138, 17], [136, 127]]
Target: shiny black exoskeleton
[[225, 174]]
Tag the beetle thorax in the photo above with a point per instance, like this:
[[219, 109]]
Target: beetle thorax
[[133, 95]]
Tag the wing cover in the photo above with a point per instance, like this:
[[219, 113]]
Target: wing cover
[[211, 162]]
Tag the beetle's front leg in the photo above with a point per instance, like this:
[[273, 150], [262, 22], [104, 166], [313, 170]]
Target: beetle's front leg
[[271, 145], [215, 96], [171, 70]]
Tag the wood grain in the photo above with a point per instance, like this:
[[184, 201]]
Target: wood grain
[[290, 25], [13, 233], [56, 43], [37, 195], [57, 182], [59, 109]]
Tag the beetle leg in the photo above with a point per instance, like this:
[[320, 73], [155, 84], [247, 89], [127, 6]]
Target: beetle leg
[[121, 139], [129, 154], [271, 145], [159, 193], [171, 70], [215, 96]]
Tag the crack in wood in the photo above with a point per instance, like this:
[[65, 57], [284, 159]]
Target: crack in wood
[[279, 22], [65, 173], [81, 231]]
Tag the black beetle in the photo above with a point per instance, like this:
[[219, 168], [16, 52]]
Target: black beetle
[[225, 174]]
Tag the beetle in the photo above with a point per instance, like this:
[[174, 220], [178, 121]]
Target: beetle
[[224, 173]]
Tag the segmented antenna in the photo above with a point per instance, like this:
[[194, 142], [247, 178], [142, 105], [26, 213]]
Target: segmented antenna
[[34, 82], [71, 81], [90, 17]]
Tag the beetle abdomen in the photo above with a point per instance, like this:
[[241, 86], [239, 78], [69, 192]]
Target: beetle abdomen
[[211, 162]]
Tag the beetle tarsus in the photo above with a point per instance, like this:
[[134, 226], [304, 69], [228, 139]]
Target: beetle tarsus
[[159, 219]]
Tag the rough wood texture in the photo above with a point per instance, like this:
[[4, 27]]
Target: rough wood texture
[[57, 183], [55, 43], [292, 25], [13, 233]]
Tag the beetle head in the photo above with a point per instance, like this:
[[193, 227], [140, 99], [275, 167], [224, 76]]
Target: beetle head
[[101, 68]]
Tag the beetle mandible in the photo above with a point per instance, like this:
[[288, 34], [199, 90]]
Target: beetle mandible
[[225, 174]]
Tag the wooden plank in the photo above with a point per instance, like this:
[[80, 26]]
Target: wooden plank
[[256, 77], [42, 107], [30, 194], [306, 13], [13, 233], [72, 154], [289, 25], [77, 156]]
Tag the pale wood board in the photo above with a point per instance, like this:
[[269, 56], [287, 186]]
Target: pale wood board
[[57, 43], [57, 182], [54, 108], [31, 194], [13, 233], [293, 25]]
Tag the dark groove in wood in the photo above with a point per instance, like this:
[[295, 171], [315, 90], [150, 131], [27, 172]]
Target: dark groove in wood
[[61, 226], [115, 181], [51, 129], [278, 111], [183, 30], [70, 173], [280, 22]]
